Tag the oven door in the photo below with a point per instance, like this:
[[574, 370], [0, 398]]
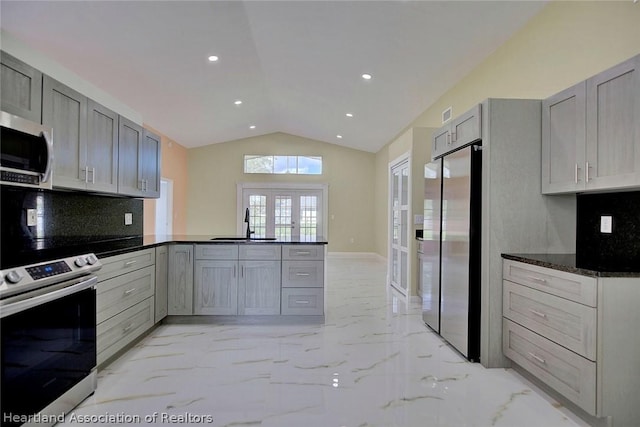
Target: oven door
[[48, 347]]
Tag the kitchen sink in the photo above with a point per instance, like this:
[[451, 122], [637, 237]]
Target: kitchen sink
[[243, 238]]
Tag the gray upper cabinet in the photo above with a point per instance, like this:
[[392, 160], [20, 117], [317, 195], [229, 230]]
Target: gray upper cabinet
[[102, 149], [461, 131], [130, 142], [65, 110], [139, 161], [85, 139], [563, 136], [613, 128], [20, 88], [150, 164], [591, 133]]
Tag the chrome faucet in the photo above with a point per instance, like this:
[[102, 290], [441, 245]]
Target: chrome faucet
[[246, 219]]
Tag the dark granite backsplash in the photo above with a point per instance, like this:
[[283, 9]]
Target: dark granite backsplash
[[64, 219], [617, 251]]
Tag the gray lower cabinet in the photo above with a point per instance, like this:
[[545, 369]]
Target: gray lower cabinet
[[162, 280], [303, 280], [576, 334], [237, 279], [125, 301], [20, 88], [216, 287], [180, 280], [591, 133]]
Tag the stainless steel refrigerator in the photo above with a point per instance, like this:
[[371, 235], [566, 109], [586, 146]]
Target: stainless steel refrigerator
[[430, 256], [459, 254]]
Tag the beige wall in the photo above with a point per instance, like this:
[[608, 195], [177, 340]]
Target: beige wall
[[174, 167], [215, 170], [564, 44]]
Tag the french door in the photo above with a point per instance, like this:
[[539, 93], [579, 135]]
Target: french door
[[400, 202], [284, 213]]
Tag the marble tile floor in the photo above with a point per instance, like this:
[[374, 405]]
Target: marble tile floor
[[372, 363]]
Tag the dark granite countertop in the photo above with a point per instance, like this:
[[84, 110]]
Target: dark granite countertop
[[150, 241], [566, 262], [32, 251]]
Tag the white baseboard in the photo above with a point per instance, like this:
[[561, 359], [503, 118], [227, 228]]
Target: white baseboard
[[356, 255]]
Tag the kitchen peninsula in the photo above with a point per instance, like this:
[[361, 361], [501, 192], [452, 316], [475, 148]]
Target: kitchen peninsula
[[146, 279]]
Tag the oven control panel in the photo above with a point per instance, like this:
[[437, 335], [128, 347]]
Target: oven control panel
[[21, 279]]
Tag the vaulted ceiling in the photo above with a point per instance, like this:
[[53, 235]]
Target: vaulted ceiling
[[296, 66]]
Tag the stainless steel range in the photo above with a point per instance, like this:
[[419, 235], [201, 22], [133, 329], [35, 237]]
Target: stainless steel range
[[48, 320]]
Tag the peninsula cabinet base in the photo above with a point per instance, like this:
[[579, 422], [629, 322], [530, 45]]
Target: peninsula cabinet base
[[244, 320]]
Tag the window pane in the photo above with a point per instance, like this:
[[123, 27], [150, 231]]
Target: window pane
[[309, 165], [305, 165], [308, 218], [283, 217], [258, 214], [258, 164]]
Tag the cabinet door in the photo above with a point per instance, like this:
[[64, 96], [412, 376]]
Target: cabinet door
[[563, 141], [216, 289], [180, 276], [129, 148], [441, 141], [613, 127], [65, 110], [467, 127], [259, 287], [150, 164], [102, 148], [161, 288], [21, 88]]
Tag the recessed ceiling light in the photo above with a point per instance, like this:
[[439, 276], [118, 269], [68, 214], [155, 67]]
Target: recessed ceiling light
[[252, 127], [367, 76], [238, 102], [339, 136], [213, 58], [349, 115]]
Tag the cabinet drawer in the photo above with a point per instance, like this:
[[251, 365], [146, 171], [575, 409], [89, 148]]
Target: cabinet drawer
[[582, 289], [260, 252], [303, 252], [121, 264], [567, 323], [217, 252], [305, 301], [302, 274], [571, 375], [121, 292], [118, 331]]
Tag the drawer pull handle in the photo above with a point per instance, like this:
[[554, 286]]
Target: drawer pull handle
[[302, 301], [130, 263], [538, 358], [129, 291], [127, 328], [537, 313], [303, 253], [537, 279], [302, 274]]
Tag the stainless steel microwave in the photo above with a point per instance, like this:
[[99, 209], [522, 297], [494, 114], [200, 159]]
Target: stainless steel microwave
[[26, 153]]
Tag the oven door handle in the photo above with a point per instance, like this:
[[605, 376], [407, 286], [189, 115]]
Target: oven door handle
[[43, 298]]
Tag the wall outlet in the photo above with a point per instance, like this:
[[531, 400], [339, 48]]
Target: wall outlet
[[606, 224], [128, 218], [418, 219], [32, 218]]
